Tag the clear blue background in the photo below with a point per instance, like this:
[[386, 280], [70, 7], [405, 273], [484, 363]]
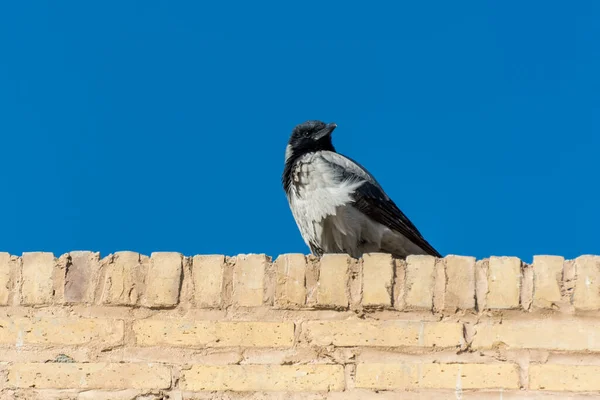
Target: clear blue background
[[161, 126]]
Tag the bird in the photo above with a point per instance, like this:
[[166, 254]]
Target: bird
[[338, 206]]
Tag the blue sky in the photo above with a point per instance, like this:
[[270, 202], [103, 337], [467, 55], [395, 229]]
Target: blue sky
[[161, 126]]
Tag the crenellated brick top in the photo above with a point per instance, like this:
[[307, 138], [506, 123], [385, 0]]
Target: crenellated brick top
[[295, 281], [133, 327]]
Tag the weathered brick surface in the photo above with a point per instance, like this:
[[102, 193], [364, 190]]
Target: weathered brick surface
[[566, 334], [504, 282], [207, 273], [237, 378], [7, 272], [290, 289], [81, 277], [527, 287], [332, 289], [547, 272], [437, 376], [123, 279], [587, 286], [385, 333], [149, 332], [164, 280], [248, 280], [419, 281], [569, 378], [377, 279], [37, 271], [460, 285], [88, 376], [450, 394], [126, 394], [434, 394], [481, 283], [82, 327], [67, 331]]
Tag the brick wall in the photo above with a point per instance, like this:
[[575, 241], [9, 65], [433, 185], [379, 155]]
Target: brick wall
[[129, 326]]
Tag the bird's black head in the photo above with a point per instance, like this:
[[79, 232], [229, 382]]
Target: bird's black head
[[311, 136], [308, 137]]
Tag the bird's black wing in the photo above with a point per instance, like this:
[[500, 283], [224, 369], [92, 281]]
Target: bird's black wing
[[370, 199]]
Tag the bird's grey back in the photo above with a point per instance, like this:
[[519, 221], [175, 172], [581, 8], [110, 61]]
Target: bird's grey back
[[348, 168]]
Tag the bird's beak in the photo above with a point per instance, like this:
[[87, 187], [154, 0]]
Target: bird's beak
[[325, 131]]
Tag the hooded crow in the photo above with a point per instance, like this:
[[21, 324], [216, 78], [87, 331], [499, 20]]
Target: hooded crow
[[338, 205]]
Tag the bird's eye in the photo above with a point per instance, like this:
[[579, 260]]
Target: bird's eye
[[306, 133]]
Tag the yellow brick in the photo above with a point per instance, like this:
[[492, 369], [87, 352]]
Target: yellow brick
[[67, 331], [246, 378], [481, 283], [81, 277], [387, 376], [587, 286], [88, 376], [125, 394], [37, 271], [207, 274], [440, 394], [392, 333], [419, 281], [6, 273], [572, 378], [409, 376], [122, 279], [460, 287], [569, 334], [333, 278], [290, 289], [547, 272], [470, 376], [366, 394], [248, 280], [378, 276], [164, 279], [178, 333], [40, 394], [504, 282]]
